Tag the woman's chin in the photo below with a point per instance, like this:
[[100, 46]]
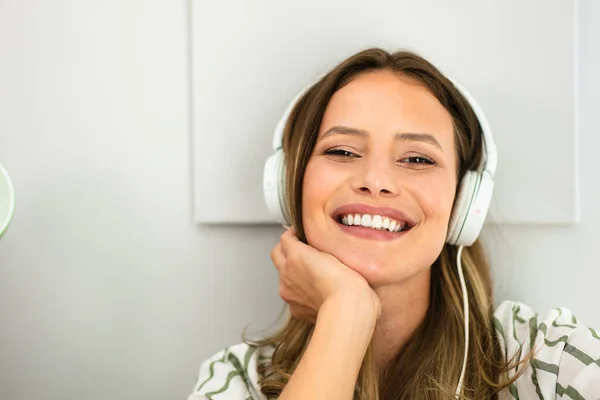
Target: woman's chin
[[374, 269], [381, 271]]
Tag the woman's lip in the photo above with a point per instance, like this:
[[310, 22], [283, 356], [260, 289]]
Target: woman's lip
[[361, 209], [369, 233]]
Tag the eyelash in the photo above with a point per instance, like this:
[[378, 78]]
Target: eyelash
[[340, 152], [348, 154]]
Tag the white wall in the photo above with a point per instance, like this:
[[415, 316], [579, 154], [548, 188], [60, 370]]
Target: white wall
[[552, 266], [468, 40], [107, 288]]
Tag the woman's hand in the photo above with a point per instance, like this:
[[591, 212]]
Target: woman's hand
[[309, 278]]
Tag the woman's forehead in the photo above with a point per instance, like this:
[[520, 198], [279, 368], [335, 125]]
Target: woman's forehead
[[382, 103]]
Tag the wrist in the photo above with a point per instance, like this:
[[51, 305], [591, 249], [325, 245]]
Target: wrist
[[363, 306]]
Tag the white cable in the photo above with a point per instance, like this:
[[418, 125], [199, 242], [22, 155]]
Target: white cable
[[466, 318]]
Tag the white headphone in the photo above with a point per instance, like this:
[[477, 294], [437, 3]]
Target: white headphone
[[472, 199]]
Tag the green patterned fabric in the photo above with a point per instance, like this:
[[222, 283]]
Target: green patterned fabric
[[566, 358], [565, 365], [231, 374]]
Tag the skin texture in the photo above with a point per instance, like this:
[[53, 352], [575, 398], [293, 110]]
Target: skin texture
[[355, 289]]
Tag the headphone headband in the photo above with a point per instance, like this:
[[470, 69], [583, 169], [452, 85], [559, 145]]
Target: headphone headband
[[278, 137], [489, 147]]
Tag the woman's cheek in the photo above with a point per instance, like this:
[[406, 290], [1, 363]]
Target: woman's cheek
[[436, 203]]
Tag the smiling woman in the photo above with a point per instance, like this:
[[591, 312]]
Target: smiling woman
[[385, 177]]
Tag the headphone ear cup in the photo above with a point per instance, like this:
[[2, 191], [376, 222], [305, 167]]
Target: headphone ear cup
[[471, 208], [477, 211], [274, 187], [464, 197]]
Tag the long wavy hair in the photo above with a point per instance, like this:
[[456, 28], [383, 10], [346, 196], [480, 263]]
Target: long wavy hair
[[428, 365]]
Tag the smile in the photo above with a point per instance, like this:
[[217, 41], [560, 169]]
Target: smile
[[369, 222]]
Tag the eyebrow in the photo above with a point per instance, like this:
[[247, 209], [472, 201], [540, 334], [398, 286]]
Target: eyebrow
[[398, 137]]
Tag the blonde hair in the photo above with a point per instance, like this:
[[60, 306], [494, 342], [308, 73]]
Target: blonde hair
[[428, 366]]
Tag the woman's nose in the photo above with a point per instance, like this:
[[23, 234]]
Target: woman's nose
[[376, 179]]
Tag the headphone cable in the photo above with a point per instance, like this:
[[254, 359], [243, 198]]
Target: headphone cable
[[466, 319]]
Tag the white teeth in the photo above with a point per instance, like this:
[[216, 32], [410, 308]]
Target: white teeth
[[372, 221], [376, 223], [386, 223], [366, 221], [392, 226]]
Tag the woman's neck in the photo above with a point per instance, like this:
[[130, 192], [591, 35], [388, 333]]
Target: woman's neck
[[403, 308]]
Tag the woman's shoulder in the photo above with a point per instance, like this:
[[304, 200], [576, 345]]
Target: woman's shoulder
[[231, 374], [566, 356]]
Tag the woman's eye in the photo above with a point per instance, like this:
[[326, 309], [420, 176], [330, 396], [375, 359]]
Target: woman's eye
[[418, 160], [340, 152]]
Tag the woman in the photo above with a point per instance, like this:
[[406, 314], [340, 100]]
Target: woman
[[375, 153]]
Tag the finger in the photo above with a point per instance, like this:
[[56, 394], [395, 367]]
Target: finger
[[278, 257], [290, 234], [288, 240]]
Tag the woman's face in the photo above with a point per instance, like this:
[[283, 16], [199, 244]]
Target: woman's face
[[379, 187]]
